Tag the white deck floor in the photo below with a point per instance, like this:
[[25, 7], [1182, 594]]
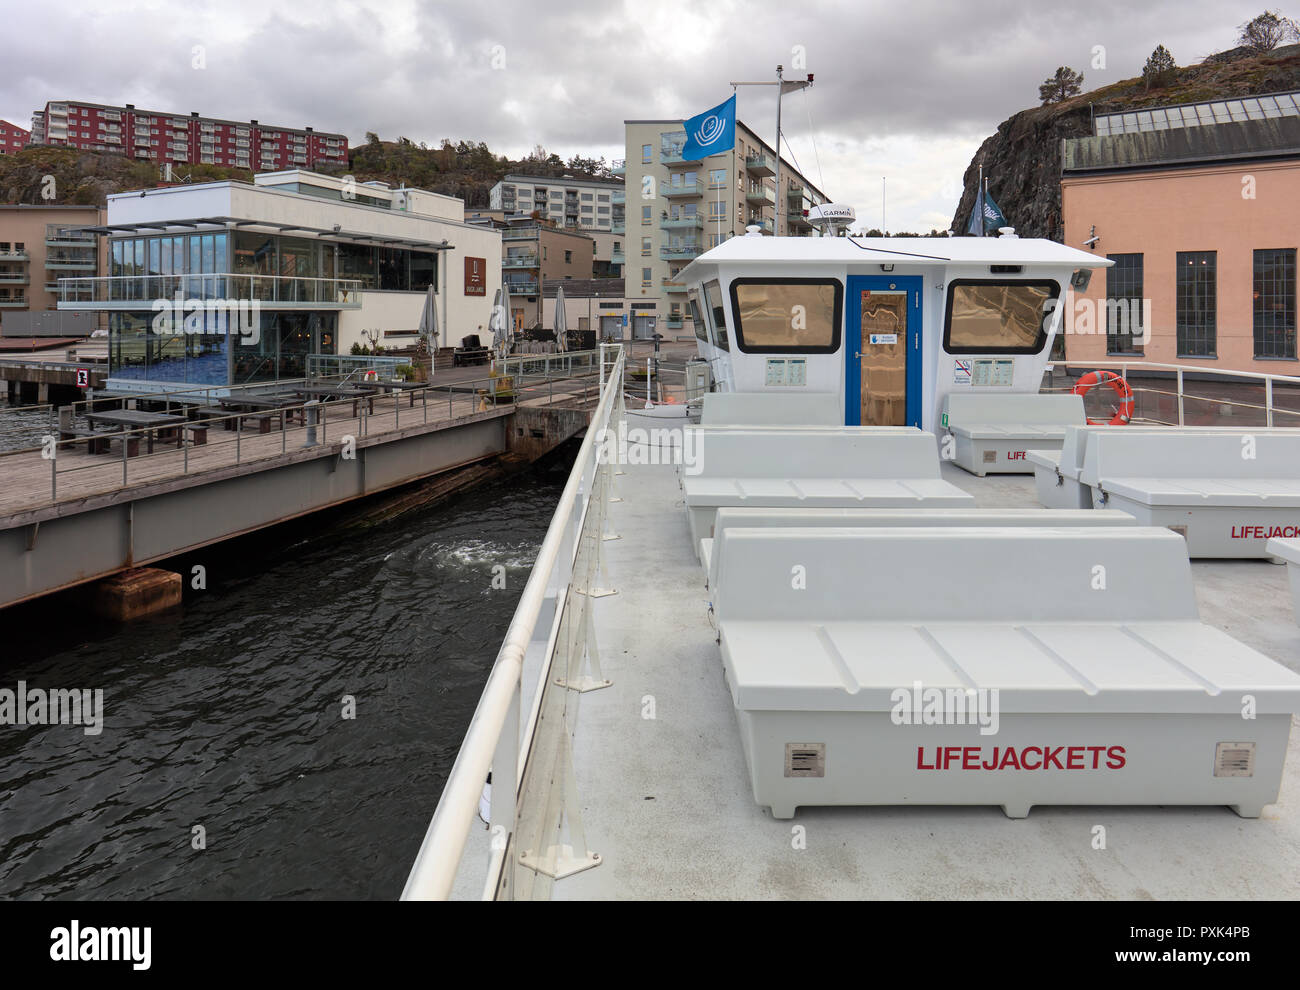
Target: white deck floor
[[666, 802]]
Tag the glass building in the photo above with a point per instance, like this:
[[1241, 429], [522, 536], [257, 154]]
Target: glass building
[[236, 305]]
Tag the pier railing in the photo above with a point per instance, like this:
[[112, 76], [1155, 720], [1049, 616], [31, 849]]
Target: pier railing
[[1244, 398], [523, 727], [159, 451]]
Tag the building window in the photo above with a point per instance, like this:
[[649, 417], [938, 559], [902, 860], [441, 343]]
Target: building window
[[1274, 306], [645, 154], [568, 257], [645, 215], [1124, 333], [645, 278], [717, 178], [1196, 303], [645, 247], [587, 197]]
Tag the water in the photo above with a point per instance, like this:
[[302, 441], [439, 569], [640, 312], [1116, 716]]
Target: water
[[22, 429], [227, 713]]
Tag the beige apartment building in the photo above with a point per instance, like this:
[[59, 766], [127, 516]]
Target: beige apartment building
[[676, 209], [38, 246]]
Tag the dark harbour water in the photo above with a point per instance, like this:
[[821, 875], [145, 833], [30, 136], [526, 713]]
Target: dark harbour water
[[227, 712]]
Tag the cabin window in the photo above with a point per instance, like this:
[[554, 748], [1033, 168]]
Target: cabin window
[[788, 315], [701, 331], [998, 317], [718, 316]]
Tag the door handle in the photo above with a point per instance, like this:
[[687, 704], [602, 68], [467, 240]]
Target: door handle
[[857, 355]]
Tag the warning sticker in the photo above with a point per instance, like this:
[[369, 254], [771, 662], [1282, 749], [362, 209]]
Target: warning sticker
[[961, 371], [884, 338]]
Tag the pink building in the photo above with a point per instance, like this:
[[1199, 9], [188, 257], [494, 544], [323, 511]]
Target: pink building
[[12, 138], [1200, 213]]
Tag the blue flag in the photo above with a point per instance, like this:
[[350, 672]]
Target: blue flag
[[711, 132], [993, 218]]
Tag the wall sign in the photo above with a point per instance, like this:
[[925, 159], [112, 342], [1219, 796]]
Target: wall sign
[[476, 276]]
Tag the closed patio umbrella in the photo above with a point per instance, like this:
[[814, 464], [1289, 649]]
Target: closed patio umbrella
[[561, 329]]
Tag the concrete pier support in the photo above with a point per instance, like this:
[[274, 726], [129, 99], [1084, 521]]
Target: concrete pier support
[[136, 593]]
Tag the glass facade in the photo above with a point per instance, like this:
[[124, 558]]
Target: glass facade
[[1274, 305], [1196, 309], [171, 338]]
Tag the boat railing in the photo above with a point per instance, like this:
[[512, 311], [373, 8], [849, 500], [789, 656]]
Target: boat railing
[[1180, 395], [522, 729]]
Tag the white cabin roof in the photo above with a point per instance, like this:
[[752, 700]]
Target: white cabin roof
[[933, 251]]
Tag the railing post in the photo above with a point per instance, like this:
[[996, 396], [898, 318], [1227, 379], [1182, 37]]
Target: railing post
[[124, 443], [239, 432], [1180, 396], [1268, 398]]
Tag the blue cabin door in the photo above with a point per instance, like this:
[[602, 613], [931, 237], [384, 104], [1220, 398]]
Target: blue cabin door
[[882, 351]]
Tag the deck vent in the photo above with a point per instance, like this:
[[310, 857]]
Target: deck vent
[[990, 457], [1233, 759], [805, 759], [1006, 269]]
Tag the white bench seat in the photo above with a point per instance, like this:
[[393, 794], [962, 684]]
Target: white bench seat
[[844, 467], [1225, 491], [1231, 492], [996, 433], [1107, 694], [1288, 549], [749, 517]]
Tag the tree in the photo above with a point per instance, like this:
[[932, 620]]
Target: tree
[[372, 137], [1267, 31], [1160, 68], [1062, 86]]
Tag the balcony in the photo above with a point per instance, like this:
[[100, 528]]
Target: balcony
[[618, 226], [760, 165], [519, 261], [618, 197], [15, 278], [137, 292], [70, 263], [65, 237], [764, 226], [15, 302], [681, 223], [619, 167], [795, 220], [680, 252], [519, 234], [760, 197], [671, 286], [794, 194], [618, 257], [522, 286], [674, 322], [14, 255], [682, 191], [673, 156]]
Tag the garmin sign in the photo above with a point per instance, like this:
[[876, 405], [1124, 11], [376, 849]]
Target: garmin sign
[[831, 218]]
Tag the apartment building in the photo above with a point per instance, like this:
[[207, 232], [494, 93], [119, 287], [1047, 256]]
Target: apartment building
[[12, 138], [38, 246], [156, 136], [534, 253], [1198, 206], [592, 206], [308, 271], [677, 209]]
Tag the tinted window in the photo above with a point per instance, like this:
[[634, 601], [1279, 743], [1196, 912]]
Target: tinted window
[[998, 317]]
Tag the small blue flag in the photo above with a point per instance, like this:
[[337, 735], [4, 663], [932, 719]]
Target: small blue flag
[[993, 218], [711, 132]]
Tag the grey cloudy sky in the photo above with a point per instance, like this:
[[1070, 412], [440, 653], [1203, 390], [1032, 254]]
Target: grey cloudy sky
[[903, 90]]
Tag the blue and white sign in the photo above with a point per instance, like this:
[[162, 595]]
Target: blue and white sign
[[961, 371], [711, 132], [884, 338]]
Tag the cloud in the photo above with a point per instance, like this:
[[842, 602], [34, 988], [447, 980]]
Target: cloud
[[907, 91]]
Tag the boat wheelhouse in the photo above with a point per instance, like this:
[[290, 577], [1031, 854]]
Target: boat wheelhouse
[[889, 326]]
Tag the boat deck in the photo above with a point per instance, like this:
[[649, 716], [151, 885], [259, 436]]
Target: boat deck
[[666, 801]]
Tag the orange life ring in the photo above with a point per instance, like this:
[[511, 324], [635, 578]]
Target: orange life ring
[[1125, 411]]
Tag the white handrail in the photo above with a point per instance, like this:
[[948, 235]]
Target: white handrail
[[434, 871]]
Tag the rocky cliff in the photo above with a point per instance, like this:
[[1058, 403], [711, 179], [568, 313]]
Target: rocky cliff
[[1022, 161]]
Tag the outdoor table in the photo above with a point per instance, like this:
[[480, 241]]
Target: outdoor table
[[411, 387], [282, 405], [354, 392], [137, 419]]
